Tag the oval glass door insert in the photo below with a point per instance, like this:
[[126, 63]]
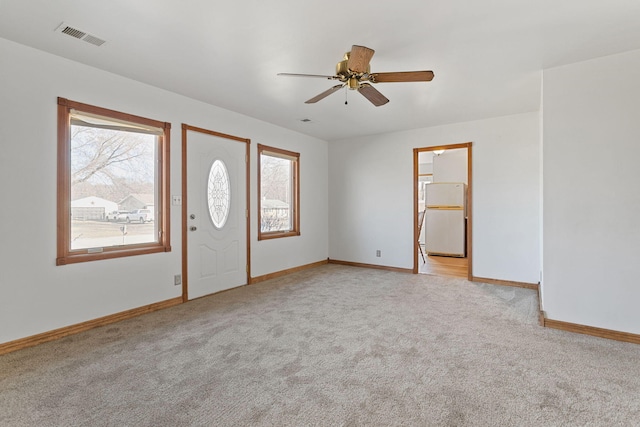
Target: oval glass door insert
[[219, 194]]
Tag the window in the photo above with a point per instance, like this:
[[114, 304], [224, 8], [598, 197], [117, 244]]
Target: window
[[113, 184], [278, 193]]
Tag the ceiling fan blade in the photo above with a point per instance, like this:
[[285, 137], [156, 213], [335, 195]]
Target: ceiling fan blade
[[324, 94], [359, 59], [309, 75], [372, 94], [402, 76]]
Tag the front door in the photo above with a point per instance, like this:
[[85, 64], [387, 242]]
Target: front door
[[216, 208]]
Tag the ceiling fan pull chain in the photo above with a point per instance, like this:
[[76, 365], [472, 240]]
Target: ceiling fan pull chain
[[346, 93]]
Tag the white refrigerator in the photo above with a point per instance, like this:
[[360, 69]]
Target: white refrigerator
[[445, 219]]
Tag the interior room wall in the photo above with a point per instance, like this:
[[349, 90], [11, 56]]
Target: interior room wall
[[425, 168], [36, 295], [451, 166], [591, 192], [371, 197], [312, 245]]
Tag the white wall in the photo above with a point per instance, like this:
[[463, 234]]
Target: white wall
[[312, 245], [451, 166], [35, 295], [371, 195], [425, 168], [592, 192]]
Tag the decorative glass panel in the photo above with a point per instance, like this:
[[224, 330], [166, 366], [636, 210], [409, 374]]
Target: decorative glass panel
[[219, 194]]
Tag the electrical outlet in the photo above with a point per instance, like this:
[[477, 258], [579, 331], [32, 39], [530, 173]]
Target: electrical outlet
[[378, 253], [177, 279], [176, 200]]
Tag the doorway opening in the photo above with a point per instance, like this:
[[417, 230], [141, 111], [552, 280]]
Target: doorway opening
[[443, 210]]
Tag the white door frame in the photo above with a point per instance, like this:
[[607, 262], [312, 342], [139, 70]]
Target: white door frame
[[247, 142]]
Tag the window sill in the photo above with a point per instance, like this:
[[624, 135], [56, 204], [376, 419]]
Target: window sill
[[109, 254], [277, 235]]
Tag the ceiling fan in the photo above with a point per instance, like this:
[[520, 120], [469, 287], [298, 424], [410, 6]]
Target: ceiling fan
[[354, 72]]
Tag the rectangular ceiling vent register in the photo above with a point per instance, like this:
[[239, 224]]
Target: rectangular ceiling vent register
[[79, 34]]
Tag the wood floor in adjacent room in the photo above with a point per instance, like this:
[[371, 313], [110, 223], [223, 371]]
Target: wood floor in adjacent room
[[444, 266]]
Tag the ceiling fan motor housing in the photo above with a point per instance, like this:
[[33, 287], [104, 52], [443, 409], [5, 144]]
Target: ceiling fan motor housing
[[341, 69], [347, 76]]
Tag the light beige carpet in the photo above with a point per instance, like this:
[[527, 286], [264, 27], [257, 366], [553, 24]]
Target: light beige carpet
[[332, 346]]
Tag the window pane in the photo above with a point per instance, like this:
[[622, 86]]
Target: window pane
[[113, 191], [219, 194], [276, 192]]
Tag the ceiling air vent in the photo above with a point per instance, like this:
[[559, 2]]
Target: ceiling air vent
[[79, 34]]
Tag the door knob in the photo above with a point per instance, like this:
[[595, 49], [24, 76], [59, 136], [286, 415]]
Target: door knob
[[192, 216], [193, 228]]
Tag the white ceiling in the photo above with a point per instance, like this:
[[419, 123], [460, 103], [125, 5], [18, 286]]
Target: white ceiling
[[487, 55]]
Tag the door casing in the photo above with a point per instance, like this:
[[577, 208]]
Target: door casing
[[469, 238]]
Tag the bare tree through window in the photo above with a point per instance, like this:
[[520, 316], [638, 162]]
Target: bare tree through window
[[110, 164]]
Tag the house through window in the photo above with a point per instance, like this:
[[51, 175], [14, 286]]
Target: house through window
[[112, 183]]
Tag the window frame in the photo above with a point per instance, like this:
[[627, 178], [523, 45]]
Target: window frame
[[64, 253], [295, 191]]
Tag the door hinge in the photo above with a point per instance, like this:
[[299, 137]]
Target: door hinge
[[247, 267], [246, 158], [246, 213]]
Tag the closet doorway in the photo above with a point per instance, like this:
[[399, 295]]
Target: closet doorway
[[442, 225]]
